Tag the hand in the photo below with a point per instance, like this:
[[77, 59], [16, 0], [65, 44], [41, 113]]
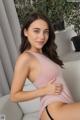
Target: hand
[[54, 88]]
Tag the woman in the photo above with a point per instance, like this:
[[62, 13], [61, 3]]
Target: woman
[[39, 63]]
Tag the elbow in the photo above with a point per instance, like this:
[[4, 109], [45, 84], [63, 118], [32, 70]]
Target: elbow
[[13, 98]]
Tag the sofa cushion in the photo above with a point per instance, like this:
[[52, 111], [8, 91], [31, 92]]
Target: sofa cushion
[[63, 40], [31, 116], [31, 105], [72, 56], [10, 110], [71, 74]]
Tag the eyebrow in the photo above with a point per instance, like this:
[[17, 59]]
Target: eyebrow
[[39, 28]]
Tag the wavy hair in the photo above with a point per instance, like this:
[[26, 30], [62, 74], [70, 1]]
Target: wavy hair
[[49, 49]]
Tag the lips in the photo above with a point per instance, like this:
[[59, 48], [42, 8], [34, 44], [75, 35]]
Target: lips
[[40, 41]]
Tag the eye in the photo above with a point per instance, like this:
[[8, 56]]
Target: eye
[[36, 31], [46, 32]]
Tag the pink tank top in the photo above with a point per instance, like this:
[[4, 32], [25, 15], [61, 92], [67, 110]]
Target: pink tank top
[[49, 70]]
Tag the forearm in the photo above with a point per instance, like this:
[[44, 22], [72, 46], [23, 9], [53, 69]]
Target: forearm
[[28, 95]]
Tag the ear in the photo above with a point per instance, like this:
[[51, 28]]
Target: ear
[[25, 32]]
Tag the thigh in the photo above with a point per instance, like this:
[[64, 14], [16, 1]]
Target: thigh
[[53, 109], [69, 112], [44, 115], [62, 111]]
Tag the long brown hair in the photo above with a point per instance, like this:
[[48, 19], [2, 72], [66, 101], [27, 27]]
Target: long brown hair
[[49, 49]]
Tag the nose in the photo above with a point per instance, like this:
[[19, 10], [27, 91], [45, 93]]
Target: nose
[[42, 36]]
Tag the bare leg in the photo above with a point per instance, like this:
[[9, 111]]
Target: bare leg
[[65, 112], [69, 112], [44, 116]]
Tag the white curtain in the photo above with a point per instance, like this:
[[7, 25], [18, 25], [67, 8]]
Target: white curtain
[[9, 43]]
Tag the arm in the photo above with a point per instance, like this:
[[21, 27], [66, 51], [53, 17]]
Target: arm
[[21, 72]]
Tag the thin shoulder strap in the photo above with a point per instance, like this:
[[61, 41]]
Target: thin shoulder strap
[[38, 56], [32, 54]]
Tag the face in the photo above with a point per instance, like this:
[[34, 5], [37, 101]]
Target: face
[[37, 34]]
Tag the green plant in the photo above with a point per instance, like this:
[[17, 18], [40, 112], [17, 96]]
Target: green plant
[[23, 8], [74, 17], [53, 9], [56, 10]]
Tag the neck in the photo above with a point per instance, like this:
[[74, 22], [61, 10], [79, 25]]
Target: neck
[[36, 50]]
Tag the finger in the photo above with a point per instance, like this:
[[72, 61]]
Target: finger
[[51, 81], [57, 93], [58, 84], [58, 88]]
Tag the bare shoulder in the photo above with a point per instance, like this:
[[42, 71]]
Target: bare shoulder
[[24, 60]]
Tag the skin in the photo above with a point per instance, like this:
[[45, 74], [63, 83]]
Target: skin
[[37, 34]]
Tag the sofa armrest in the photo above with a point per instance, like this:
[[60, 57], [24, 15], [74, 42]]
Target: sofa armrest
[[9, 109], [71, 73]]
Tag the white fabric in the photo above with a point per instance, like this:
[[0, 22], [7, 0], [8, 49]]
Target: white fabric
[[9, 109], [31, 116], [63, 41], [4, 88], [72, 77], [72, 56], [31, 105]]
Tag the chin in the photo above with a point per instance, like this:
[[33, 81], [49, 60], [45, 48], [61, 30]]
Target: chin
[[39, 46]]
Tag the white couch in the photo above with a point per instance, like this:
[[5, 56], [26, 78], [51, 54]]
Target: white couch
[[29, 110], [66, 49]]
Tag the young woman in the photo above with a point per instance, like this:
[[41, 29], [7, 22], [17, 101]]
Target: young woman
[[39, 63]]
